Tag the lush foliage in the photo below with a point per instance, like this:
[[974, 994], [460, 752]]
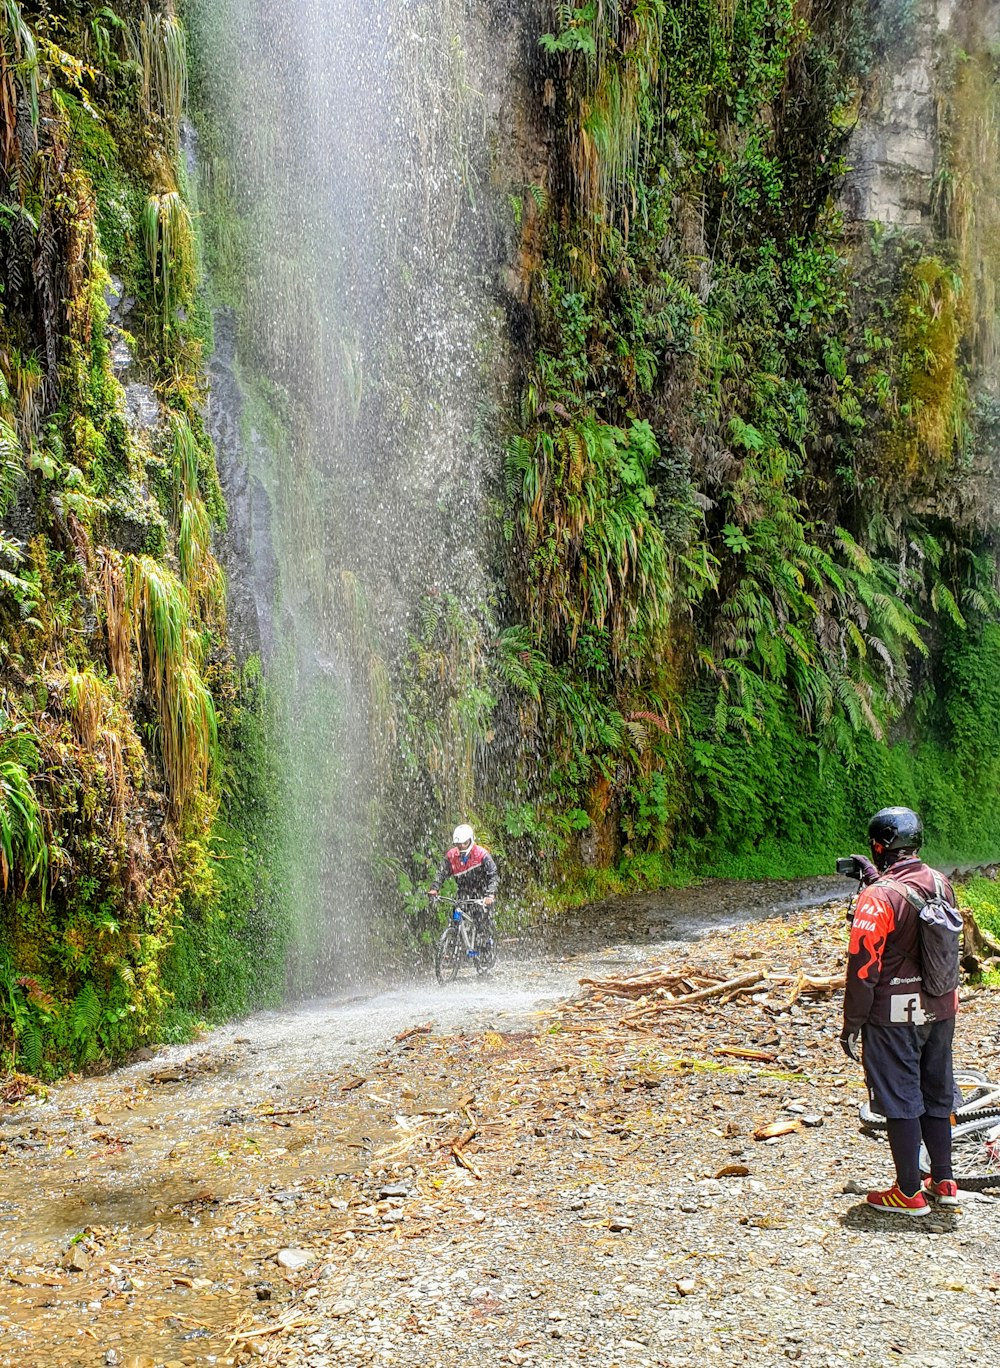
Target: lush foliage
[[750, 567], [133, 770]]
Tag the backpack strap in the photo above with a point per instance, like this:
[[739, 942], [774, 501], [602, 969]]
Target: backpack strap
[[911, 895], [915, 899]]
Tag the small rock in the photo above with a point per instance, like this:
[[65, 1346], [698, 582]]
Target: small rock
[[77, 1260], [620, 1222], [812, 1119], [476, 1215], [685, 1286], [343, 1308], [294, 1259], [689, 1206], [394, 1190]]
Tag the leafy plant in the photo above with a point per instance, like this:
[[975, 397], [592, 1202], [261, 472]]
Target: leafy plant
[[24, 850], [188, 729], [162, 45], [168, 239]]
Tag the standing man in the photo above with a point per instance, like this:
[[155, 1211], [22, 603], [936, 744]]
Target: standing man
[[475, 872], [906, 1034]]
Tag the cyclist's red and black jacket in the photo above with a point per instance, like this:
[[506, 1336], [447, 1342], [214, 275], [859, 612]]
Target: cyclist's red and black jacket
[[475, 872], [884, 986]]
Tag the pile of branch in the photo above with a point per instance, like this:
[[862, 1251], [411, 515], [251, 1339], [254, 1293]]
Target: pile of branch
[[662, 990]]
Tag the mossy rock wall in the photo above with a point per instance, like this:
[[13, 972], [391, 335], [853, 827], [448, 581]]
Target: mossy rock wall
[[133, 762]]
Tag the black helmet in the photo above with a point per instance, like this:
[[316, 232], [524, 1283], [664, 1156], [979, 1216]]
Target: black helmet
[[896, 828]]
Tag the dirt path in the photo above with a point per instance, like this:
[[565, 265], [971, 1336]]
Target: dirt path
[[511, 1181]]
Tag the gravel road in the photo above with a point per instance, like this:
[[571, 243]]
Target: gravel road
[[430, 1175]]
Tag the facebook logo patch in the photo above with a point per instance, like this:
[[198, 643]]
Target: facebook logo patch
[[906, 1007]]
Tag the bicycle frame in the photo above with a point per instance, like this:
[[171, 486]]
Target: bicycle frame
[[465, 922]]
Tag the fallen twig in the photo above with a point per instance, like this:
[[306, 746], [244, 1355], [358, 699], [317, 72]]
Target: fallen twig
[[291, 1111], [466, 1163]]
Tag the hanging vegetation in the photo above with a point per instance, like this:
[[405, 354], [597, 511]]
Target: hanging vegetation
[[133, 782], [796, 556]]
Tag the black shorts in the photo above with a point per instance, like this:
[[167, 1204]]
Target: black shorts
[[908, 1069]]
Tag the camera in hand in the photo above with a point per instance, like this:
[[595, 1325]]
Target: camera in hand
[[849, 867]]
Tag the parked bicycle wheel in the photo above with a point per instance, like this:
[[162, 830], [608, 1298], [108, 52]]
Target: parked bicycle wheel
[[448, 955], [976, 1099], [975, 1154]]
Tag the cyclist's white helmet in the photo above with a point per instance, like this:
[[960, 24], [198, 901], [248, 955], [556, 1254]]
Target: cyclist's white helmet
[[463, 835]]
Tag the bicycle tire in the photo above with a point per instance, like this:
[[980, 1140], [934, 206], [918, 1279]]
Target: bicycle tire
[[447, 955], [975, 1168], [873, 1121], [975, 1087], [486, 960]]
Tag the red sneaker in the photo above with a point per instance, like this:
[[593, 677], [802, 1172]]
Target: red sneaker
[[895, 1200], [944, 1193]]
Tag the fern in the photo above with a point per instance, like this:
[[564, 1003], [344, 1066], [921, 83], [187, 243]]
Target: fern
[[30, 1045], [84, 1019]]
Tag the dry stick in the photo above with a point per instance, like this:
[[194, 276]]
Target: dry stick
[[466, 1163], [461, 1142], [747, 981], [415, 1030], [279, 1328], [352, 1084], [291, 1111]]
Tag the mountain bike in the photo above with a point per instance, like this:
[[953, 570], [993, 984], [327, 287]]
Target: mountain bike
[[460, 941], [975, 1132]]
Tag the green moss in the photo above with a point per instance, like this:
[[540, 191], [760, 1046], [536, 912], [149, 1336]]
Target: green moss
[[119, 192]]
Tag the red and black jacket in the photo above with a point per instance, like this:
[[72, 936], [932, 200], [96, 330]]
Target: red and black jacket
[[884, 986], [475, 873]]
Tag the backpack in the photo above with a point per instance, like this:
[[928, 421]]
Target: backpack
[[939, 933]]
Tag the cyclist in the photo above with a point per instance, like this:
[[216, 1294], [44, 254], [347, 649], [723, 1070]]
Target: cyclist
[[475, 872], [907, 1034]]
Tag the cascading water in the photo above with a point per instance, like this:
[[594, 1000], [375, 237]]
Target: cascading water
[[344, 176]]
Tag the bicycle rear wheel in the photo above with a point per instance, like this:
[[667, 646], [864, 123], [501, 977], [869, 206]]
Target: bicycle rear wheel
[[975, 1154], [448, 955]]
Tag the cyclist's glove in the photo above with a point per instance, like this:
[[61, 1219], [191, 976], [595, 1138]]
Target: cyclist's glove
[[868, 871], [849, 1044]]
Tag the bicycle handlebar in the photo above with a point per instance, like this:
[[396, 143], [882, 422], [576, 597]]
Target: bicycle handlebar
[[458, 902]]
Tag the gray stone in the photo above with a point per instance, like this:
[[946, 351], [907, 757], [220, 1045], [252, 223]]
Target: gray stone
[[142, 408]]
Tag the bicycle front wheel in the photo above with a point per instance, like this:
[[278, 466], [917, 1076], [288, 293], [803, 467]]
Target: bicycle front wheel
[[447, 956]]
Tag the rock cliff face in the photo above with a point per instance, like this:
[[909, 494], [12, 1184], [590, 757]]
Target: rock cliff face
[[896, 154]]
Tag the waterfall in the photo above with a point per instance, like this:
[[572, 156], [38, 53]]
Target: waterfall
[[344, 178]]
